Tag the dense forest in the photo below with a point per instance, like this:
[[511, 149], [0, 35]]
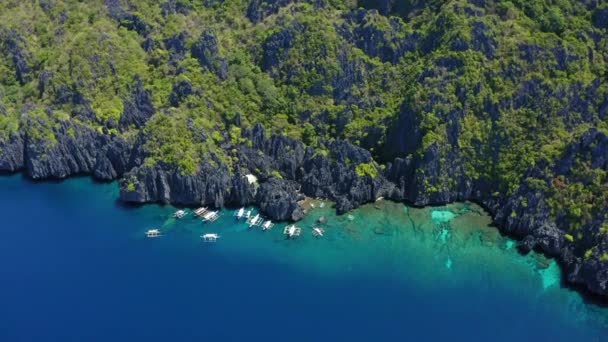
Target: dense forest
[[501, 102]]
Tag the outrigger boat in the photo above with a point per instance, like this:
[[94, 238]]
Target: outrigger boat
[[292, 231], [255, 221], [210, 237], [200, 211], [179, 214], [153, 233], [239, 214], [211, 216], [267, 225], [318, 232]]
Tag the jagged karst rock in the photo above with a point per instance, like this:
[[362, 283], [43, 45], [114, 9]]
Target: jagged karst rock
[[176, 45], [243, 192], [14, 46], [258, 10], [276, 48], [376, 41], [405, 136], [46, 5], [206, 51], [113, 160], [482, 41], [279, 199], [128, 20], [600, 18], [43, 81], [73, 152], [181, 90], [81, 109], [11, 153], [138, 108], [174, 7], [167, 184], [135, 23]]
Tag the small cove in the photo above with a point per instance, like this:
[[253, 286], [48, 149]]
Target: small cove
[[78, 267]]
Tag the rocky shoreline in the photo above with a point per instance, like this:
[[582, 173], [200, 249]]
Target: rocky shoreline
[[287, 171]]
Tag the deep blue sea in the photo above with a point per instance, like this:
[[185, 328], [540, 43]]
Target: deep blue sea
[[76, 266]]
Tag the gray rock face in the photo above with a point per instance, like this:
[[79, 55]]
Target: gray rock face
[[165, 184], [181, 90], [206, 51], [128, 20], [113, 160], [279, 199], [11, 154], [600, 18], [258, 10], [173, 7], [138, 108], [276, 49], [14, 46], [73, 152], [388, 45]]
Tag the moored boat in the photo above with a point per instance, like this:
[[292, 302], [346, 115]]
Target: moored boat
[[153, 233], [179, 214], [210, 237]]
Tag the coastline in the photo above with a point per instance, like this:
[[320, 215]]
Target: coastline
[[377, 271], [587, 295]]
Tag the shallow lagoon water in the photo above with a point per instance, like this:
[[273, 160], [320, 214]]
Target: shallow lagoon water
[[76, 266]]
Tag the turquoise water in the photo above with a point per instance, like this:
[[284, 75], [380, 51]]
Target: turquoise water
[[76, 266]]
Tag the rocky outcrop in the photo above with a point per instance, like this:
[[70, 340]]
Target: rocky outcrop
[[258, 10], [14, 46], [114, 159], [279, 199], [600, 18], [206, 51], [286, 171], [176, 46], [389, 45], [181, 90], [243, 191], [72, 151], [126, 19], [335, 177], [276, 48], [175, 7], [11, 153], [166, 184], [138, 107]]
